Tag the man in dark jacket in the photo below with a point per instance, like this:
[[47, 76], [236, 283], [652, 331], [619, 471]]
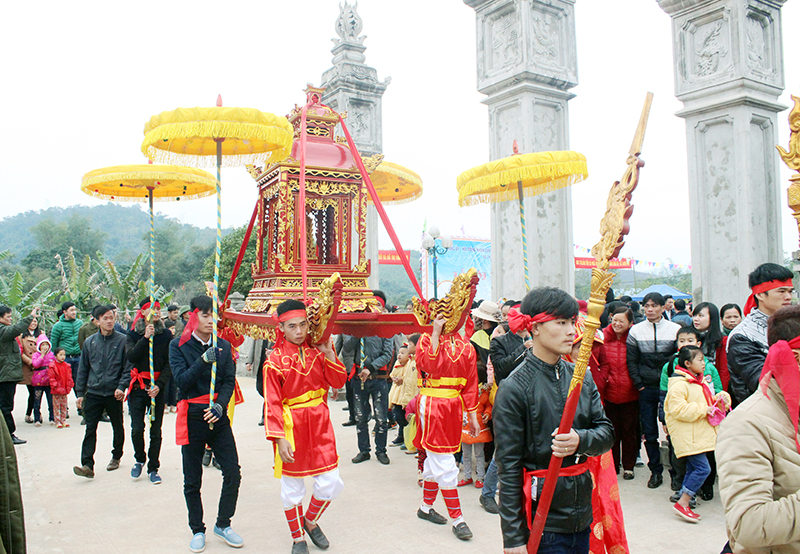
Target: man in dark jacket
[[374, 384], [101, 385], [650, 345], [202, 420], [528, 407], [11, 364], [747, 343], [147, 325], [348, 351]]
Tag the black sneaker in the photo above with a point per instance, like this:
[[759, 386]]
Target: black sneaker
[[361, 457], [433, 516], [317, 536], [207, 457], [16, 440], [300, 547], [656, 479], [348, 423], [707, 495], [396, 442], [489, 504], [261, 423], [462, 532], [383, 458], [215, 463], [83, 421], [675, 483]]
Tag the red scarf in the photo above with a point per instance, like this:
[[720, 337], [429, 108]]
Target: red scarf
[[191, 325], [782, 365], [698, 380], [140, 313], [764, 287]]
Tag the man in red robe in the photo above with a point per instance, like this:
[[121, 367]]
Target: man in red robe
[[449, 388], [297, 376]]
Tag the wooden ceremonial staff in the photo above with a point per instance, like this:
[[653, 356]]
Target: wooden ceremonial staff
[[613, 228]]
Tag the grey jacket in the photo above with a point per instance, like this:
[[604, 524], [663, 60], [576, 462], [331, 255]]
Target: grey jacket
[[10, 358], [102, 369], [372, 353]]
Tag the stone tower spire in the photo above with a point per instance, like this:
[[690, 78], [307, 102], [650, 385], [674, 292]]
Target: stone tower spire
[[352, 86]]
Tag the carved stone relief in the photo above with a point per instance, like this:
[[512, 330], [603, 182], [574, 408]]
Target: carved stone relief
[[760, 41], [503, 34], [706, 48], [545, 121], [546, 37], [359, 120], [507, 128]]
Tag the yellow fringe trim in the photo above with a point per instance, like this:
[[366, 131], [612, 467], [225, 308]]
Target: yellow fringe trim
[[540, 173], [186, 136], [395, 184], [131, 182]]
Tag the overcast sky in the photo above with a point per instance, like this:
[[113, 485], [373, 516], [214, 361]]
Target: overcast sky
[[82, 78]]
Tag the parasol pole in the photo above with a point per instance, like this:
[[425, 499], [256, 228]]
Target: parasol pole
[[151, 286], [524, 235], [217, 254], [613, 227]]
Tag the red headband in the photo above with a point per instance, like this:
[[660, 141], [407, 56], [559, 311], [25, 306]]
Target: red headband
[[764, 287], [381, 301], [191, 325], [518, 321], [140, 313], [291, 315]]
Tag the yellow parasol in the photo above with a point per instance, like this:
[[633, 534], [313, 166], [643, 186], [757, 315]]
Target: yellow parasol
[[202, 136], [396, 184], [144, 182], [535, 174]]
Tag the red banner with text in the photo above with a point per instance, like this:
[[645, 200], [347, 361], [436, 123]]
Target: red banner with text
[[390, 257], [591, 263]]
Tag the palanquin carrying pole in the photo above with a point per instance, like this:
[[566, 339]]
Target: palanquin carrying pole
[[613, 227]]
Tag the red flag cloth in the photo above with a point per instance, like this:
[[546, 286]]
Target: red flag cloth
[[764, 287], [527, 482], [140, 314], [191, 325], [782, 366], [608, 525], [469, 328], [698, 380]]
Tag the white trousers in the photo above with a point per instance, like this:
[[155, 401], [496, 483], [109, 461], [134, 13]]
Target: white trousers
[[441, 468], [327, 486]]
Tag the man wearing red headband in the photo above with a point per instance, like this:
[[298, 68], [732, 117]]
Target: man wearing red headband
[[449, 388], [747, 344], [203, 421], [527, 414], [297, 377], [146, 325], [758, 452]]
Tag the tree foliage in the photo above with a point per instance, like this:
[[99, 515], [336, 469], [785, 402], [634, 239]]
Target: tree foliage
[[229, 250]]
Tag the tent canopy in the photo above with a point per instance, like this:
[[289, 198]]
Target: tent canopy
[[662, 290]]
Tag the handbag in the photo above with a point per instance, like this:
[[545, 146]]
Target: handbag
[[40, 378], [716, 417]]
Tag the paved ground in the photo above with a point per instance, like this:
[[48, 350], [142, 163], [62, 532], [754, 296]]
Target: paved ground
[[375, 513]]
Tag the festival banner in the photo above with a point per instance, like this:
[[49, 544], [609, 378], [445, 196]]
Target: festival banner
[[590, 263], [390, 257], [466, 252]]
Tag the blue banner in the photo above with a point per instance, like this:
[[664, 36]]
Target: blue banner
[[465, 253]]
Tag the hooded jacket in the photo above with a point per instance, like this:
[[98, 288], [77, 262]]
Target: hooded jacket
[[10, 356], [41, 361], [649, 347], [619, 388], [527, 408], [60, 374], [685, 409]]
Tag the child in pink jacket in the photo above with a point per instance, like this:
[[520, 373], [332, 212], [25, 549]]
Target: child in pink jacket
[[41, 380]]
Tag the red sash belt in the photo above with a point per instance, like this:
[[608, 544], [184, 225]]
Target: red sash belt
[[139, 377], [527, 480], [181, 427]]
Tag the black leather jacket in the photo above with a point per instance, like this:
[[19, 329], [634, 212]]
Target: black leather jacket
[[527, 409]]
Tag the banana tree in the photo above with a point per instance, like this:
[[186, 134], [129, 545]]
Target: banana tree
[[79, 283], [123, 289], [13, 295]]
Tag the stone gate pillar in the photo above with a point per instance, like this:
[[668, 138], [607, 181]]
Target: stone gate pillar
[[352, 86], [527, 63], [729, 73]]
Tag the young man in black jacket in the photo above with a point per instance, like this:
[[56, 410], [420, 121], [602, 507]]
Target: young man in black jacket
[[203, 420], [528, 406], [146, 325], [100, 386]]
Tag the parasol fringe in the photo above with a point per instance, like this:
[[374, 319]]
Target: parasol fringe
[[400, 172], [510, 192], [181, 198], [102, 176], [272, 143], [390, 202]]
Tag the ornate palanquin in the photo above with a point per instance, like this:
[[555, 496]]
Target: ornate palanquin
[[334, 216]]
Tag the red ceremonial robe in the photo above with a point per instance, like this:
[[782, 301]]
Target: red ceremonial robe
[[450, 387], [296, 382]]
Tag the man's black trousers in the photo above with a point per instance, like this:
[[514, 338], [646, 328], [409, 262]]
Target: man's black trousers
[[93, 406], [138, 404]]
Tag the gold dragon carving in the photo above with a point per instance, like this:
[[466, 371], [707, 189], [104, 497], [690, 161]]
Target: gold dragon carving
[[451, 306], [792, 160], [613, 228], [322, 309]]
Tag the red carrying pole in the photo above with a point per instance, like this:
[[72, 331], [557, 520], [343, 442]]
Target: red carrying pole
[[242, 250]]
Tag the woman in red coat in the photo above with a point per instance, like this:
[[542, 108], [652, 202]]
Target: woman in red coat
[[620, 397]]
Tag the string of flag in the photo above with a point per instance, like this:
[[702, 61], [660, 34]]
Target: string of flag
[[637, 264]]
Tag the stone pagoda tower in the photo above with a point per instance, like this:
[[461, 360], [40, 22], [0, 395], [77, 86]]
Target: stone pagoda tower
[[352, 86]]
